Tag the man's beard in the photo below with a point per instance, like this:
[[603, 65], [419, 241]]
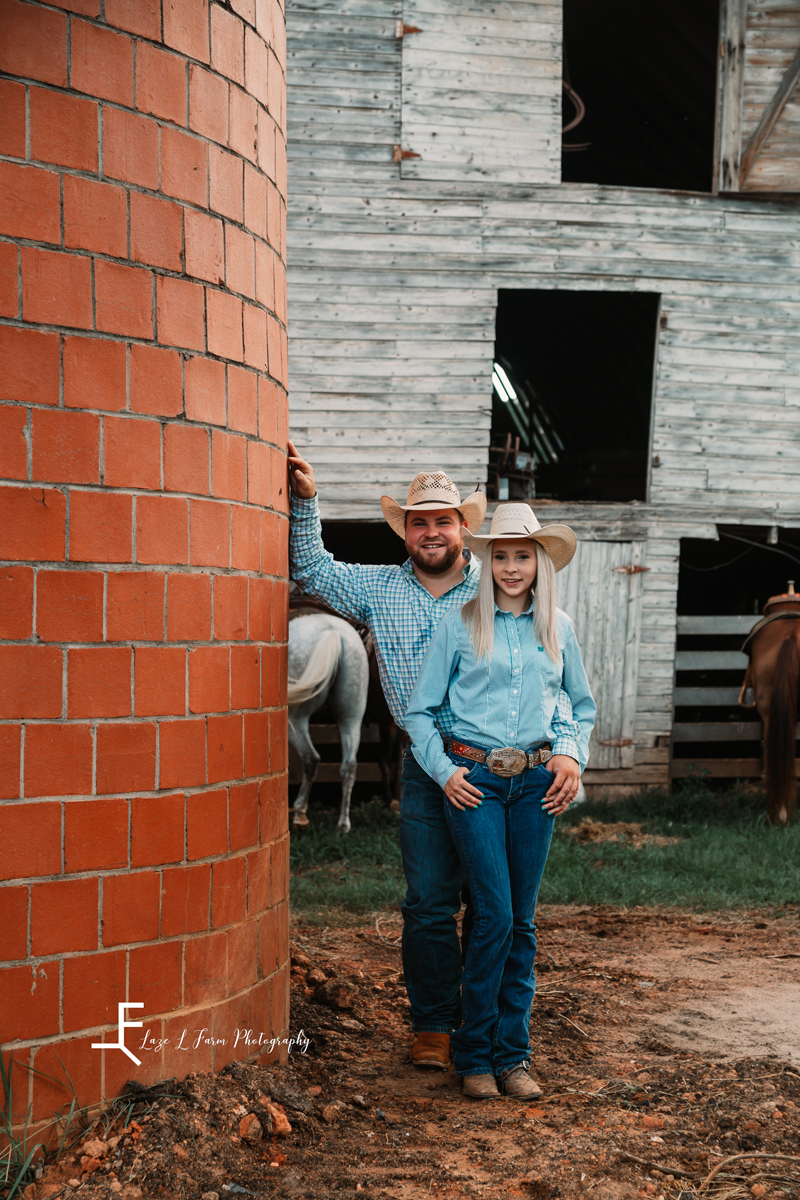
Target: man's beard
[[442, 566]]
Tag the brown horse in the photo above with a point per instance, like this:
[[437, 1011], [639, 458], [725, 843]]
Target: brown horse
[[773, 673]]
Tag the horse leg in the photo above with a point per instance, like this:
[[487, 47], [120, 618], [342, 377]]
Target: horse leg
[[779, 734], [348, 702], [350, 738], [301, 740]]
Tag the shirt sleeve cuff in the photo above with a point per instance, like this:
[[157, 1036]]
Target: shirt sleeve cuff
[[301, 507], [568, 746]]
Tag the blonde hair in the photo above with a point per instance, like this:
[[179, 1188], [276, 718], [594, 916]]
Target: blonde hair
[[478, 613]]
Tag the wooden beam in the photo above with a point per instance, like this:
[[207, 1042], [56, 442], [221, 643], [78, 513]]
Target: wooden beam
[[329, 773], [718, 768], [653, 773], [730, 138], [717, 731], [710, 660], [769, 117], [329, 734], [696, 625], [705, 696]]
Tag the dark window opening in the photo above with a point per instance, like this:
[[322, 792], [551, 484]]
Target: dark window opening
[[647, 76], [573, 381], [738, 574], [363, 542]]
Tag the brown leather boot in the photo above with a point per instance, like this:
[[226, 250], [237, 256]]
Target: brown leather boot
[[517, 1083], [480, 1087], [431, 1050]]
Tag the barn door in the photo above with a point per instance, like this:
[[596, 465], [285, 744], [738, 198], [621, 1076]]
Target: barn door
[[604, 600], [759, 119], [481, 91]]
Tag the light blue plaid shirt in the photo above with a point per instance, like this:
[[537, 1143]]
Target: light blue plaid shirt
[[400, 613]]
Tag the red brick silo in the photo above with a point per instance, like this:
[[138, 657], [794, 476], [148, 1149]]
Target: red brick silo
[[143, 532]]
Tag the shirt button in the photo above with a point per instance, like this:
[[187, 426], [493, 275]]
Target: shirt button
[[513, 712], [516, 670], [515, 691]]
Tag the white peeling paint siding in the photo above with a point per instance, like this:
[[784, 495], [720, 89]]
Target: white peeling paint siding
[[394, 269]]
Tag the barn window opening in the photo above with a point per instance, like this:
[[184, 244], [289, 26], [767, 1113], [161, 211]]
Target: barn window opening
[[364, 542], [572, 390], [647, 76], [737, 574]]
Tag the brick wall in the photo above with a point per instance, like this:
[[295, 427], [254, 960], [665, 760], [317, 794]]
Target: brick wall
[[143, 533]]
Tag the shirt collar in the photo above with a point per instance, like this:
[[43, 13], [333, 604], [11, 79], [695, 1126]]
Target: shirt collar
[[503, 611]]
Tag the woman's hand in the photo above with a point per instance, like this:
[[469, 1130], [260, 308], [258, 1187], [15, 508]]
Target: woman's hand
[[301, 475], [460, 793], [564, 787]]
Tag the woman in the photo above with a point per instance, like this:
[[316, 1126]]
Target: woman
[[509, 667]]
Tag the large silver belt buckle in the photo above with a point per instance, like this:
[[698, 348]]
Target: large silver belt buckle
[[507, 762]]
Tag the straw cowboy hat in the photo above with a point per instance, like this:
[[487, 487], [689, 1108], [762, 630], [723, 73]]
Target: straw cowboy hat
[[434, 489], [518, 521]]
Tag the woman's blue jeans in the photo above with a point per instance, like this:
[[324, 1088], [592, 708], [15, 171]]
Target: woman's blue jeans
[[503, 848]]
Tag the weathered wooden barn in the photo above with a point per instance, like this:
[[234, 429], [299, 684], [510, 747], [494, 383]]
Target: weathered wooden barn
[[575, 226]]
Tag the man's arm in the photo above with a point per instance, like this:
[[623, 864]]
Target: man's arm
[[342, 585], [432, 686], [584, 709], [567, 730]]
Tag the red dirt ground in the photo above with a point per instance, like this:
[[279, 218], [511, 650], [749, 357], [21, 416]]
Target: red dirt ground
[[666, 1043]]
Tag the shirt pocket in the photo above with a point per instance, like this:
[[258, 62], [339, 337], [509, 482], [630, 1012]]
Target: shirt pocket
[[543, 663]]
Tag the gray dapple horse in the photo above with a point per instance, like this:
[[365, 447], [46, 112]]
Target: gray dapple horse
[[327, 663]]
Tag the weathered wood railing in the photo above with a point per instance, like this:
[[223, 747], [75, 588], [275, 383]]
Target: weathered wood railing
[[714, 696], [328, 772]]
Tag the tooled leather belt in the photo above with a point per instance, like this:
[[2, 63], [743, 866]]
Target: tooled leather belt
[[505, 762]]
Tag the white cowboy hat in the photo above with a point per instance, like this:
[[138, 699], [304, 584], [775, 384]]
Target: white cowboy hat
[[518, 521], [434, 489]]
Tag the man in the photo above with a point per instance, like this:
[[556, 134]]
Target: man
[[401, 607]]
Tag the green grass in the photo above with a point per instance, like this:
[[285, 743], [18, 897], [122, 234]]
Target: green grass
[[334, 875], [729, 857]]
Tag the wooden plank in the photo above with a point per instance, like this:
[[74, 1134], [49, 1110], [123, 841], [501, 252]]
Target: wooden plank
[[633, 641], [770, 116], [710, 660], [505, 76], [646, 773], [732, 94], [325, 734], [365, 773], [508, 10], [717, 768], [710, 696], [720, 731], [730, 624]]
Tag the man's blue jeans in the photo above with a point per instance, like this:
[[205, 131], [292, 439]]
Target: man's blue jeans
[[503, 847], [431, 955]]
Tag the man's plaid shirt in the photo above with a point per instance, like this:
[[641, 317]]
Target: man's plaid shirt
[[400, 613]]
